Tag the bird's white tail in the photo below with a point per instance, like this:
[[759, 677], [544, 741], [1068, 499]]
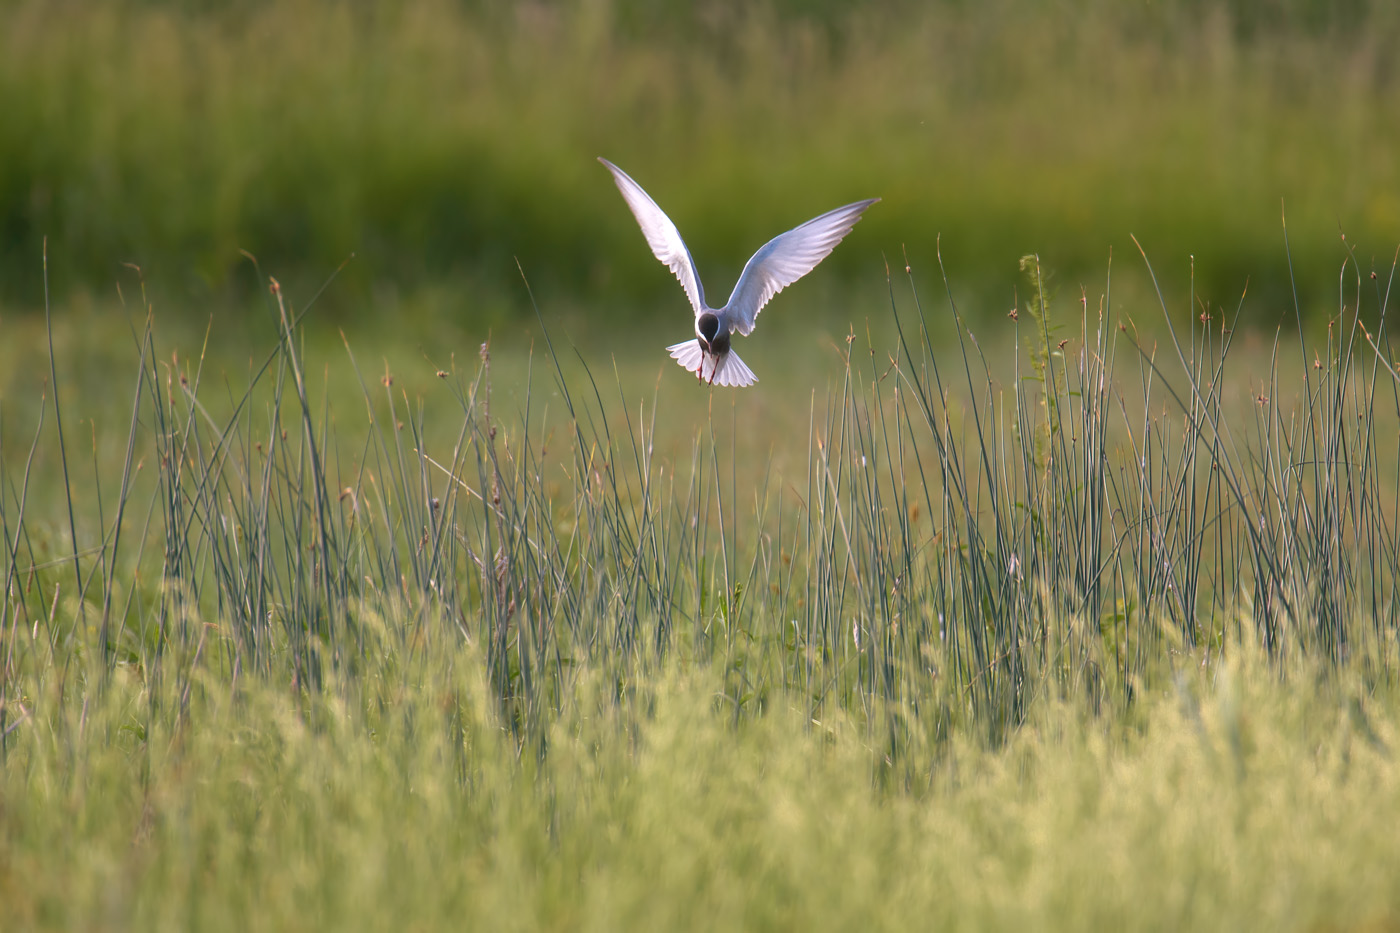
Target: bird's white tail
[[688, 354], [731, 371], [728, 370]]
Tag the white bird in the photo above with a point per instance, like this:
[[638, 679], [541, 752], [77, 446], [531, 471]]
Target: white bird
[[780, 262]]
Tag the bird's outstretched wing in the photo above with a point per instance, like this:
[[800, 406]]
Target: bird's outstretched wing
[[728, 370], [662, 236], [787, 258]]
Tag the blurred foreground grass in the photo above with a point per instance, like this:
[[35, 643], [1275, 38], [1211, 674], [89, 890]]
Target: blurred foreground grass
[[439, 141], [1226, 799]]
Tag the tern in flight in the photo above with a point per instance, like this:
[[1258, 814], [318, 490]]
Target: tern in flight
[[782, 261]]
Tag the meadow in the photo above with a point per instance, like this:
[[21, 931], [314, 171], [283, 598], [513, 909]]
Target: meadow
[[1043, 581], [537, 637]]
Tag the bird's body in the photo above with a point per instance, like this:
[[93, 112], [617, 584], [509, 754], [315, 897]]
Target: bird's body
[[780, 262]]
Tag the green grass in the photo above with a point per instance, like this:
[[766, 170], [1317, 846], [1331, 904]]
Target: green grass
[[440, 142], [1227, 799], [928, 628], [479, 614]]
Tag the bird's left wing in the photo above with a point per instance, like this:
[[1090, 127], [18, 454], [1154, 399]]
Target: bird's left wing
[[662, 236], [787, 258]]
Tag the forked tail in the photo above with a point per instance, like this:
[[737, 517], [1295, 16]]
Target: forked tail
[[725, 370]]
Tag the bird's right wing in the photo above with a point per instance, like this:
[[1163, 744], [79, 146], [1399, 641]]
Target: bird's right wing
[[662, 236]]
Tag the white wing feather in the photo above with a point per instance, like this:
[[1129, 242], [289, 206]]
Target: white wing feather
[[785, 259], [662, 236]]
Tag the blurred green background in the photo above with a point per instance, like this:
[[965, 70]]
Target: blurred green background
[[440, 141]]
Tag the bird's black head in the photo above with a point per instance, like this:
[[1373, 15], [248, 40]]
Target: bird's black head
[[707, 329]]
